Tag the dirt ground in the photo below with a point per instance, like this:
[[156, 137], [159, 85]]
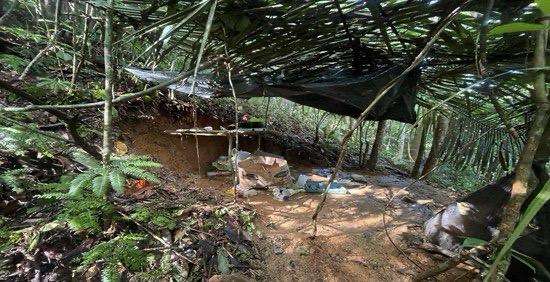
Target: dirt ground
[[351, 243]]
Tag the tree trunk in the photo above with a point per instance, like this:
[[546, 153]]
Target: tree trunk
[[361, 145], [109, 77], [373, 159], [440, 131], [543, 151], [318, 127], [330, 131], [401, 144], [414, 143], [520, 188], [365, 140], [421, 148]]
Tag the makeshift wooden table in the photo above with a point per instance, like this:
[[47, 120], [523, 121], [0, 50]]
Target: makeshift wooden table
[[228, 133]]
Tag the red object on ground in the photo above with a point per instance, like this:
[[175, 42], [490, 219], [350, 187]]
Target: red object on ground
[[141, 183]]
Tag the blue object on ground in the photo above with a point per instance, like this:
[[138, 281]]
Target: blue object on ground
[[319, 187], [314, 186]]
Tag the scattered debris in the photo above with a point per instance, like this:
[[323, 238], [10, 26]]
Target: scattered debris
[[120, 148], [318, 184], [278, 249], [262, 170], [302, 250], [284, 194], [233, 277], [223, 163], [218, 173]]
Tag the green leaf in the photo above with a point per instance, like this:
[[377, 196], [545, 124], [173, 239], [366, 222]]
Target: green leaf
[[139, 173], [80, 182], [137, 161], [544, 6], [96, 184], [470, 242], [117, 181], [223, 262], [538, 202], [101, 184], [33, 241], [50, 226], [516, 27], [532, 263], [86, 160]]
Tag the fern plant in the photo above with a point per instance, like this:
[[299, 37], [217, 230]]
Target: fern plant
[[15, 179], [156, 219], [54, 84], [18, 140], [12, 62], [86, 213], [54, 191], [100, 178], [122, 250]]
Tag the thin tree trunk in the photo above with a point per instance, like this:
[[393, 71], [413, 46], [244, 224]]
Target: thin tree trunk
[[401, 145], [414, 144], [51, 42], [421, 148], [318, 127], [482, 69], [77, 66], [361, 145], [440, 130], [365, 138], [520, 189], [236, 104], [109, 77], [543, 151], [375, 151]]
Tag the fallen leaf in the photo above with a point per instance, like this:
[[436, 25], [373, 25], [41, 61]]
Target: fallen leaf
[[120, 148]]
